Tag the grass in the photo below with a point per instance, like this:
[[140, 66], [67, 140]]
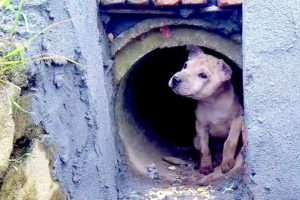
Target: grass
[[11, 59], [15, 58], [6, 4], [17, 18]]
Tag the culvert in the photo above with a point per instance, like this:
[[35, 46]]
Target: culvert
[[153, 122]]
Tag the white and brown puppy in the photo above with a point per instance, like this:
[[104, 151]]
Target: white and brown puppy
[[206, 79]]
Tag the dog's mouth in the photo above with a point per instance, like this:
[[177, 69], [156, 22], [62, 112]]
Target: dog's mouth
[[176, 91], [178, 88]]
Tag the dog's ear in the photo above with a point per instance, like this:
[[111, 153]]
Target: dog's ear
[[194, 51], [224, 70]]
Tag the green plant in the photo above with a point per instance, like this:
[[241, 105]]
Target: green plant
[[17, 161], [17, 18], [13, 56], [6, 4]]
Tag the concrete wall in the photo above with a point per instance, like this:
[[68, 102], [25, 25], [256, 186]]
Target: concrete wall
[[272, 93], [70, 100]]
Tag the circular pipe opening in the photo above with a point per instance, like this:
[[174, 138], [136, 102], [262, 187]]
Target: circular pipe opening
[[153, 121]]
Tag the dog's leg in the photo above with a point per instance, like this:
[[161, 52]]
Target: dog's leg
[[230, 145], [197, 144], [202, 145]]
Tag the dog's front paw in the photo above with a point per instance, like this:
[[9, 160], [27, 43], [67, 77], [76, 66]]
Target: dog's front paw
[[227, 165], [205, 170]]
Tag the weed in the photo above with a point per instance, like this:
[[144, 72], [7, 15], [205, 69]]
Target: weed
[[15, 58], [17, 18], [19, 159], [6, 4]]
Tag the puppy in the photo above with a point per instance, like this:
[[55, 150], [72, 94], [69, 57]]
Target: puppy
[[206, 79]]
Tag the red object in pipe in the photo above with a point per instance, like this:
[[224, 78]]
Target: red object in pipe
[[165, 31]]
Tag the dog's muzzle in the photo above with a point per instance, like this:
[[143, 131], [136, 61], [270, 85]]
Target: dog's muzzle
[[175, 81]]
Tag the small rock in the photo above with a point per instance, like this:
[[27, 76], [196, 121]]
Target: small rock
[[153, 175], [176, 182], [172, 168], [58, 80], [152, 171], [190, 165], [174, 161], [111, 37], [152, 165]]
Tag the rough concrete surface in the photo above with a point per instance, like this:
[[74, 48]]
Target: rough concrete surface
[[272, 78], [224, 26], [69, 100], [134, 51]]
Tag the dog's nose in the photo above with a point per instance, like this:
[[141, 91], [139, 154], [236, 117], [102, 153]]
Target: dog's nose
[[175, 81]]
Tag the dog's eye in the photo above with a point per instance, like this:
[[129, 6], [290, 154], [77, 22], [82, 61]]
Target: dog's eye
[[184, 66], [202, 75]]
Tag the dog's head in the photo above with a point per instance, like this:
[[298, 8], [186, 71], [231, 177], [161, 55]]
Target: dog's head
[[201, 75]]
